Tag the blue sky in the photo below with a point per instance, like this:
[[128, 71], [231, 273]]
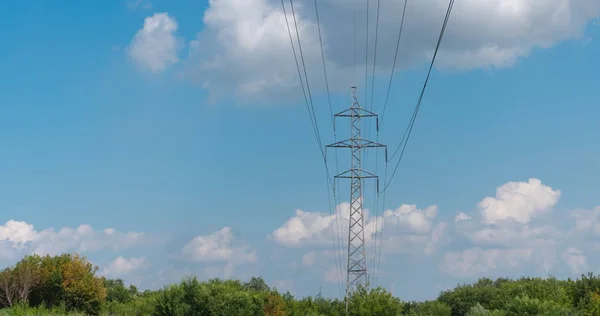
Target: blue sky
[[191, 141]]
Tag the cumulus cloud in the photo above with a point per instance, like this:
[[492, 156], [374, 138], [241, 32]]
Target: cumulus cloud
[[519, 201], [308, 259], [245, 43], [135, 4], [155, 46], [407, 227], [507, 236], [461, 217], [221, 246], [18, 238], [587, 221], [332, 275], [475, 261], [502, 235], [575, 259], [225, 271], [510, 236], [124, 266]]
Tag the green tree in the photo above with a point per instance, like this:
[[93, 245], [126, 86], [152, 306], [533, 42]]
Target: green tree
[[524, 305], [592, 304], [375, 302], [68, 280], [17, 283], [479, 310], [117, 292], [274, 305], [431, 308], [257, 284]]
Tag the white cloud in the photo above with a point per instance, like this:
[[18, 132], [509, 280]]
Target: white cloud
[[155, 46], [475, 261], [503, 236], [408, 229], [411, 219], [226, 271], [221, 246], [461, 217], [519, 235], [332, 275], [519, 201], [245, 43], [284, 285], [19, 238], [575, 259], [17, 232], [500, 245], [437, 239], [587, 222], [123, 266], [308, 259], [135, 4]]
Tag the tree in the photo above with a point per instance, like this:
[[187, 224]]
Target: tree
[[592, 304], [26, 276], [376, 302], [431, 308], [257, 284], [82, 289], [68, 280], [524, 305], [274, 305], [17, 283], [7, 291], [479, 310], [117, 292]]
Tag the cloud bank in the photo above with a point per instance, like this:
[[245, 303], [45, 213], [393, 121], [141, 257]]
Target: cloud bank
[[245, 43]]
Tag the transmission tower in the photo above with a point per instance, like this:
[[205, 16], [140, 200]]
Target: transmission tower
[[357, 263]]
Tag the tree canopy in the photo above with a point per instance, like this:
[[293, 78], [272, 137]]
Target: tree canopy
[[69, 285]]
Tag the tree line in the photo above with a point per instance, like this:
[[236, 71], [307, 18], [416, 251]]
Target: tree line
[[69, 285]]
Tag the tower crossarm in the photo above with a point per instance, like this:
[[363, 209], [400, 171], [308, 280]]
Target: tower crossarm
[[356, 174], [355, 112], [355, 143]]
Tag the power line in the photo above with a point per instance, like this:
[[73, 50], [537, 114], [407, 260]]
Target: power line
[[375, 192], [378, 251], [355, 62], [408, 131], [367, 51], [306, 76], [299, 72], [309, 105], [374, 64], [375, 54], [336, 234], [387, 95]]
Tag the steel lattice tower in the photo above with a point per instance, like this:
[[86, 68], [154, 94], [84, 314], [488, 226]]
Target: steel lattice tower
[[357, 263]]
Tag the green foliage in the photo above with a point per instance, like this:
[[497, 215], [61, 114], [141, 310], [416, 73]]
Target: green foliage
[[67, 282], [22, 309], [68, 285], [524, 305], [496, 295], [256, 284], [430, 308], [582, 289], [117, 292], [274, 305], [374, 302], [479, 310], [592, 304]]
